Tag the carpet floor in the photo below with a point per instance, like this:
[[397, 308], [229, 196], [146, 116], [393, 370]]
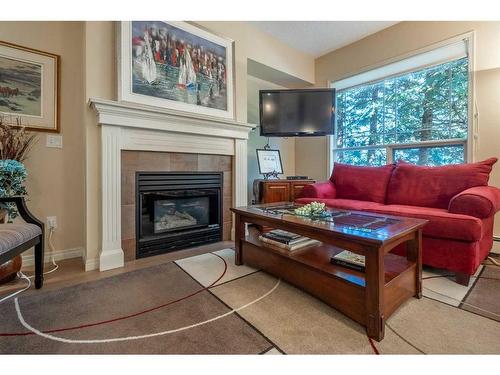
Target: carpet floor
[[192, 303], [124, 295]]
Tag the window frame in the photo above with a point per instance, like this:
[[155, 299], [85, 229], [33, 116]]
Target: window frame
[[468, 143]]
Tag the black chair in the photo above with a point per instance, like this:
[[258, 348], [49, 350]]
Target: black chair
[[17, 238]]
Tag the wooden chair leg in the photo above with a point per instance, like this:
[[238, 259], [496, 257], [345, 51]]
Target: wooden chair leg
[[39, 264], [462, 278]]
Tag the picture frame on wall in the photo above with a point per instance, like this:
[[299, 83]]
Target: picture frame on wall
[[29, 88], [176, 65]]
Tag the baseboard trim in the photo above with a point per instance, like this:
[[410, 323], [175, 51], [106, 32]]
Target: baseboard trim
[[91, 264], [496, 245], [29, 259]]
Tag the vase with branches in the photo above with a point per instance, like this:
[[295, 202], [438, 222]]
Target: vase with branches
[[15, 145]]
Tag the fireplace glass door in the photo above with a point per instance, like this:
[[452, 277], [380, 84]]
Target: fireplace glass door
[[177, 210], [182, 213], [168, 212]]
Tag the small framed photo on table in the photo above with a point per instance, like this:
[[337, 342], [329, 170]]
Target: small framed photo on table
[[269, 162]]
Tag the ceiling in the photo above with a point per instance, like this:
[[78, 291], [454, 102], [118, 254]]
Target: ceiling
[[320, 37]]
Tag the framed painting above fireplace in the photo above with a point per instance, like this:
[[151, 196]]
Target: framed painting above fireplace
[[176, 65]]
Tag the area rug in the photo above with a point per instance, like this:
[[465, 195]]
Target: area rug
[[484, 297], [186, 303], [206, 304]]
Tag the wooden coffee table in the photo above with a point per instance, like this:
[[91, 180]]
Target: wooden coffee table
[[368, 297]]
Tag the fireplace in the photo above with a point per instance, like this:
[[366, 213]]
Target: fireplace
[[176, 210]]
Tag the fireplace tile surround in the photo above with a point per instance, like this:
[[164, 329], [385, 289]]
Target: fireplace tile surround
[[149, 161], [132, 127]]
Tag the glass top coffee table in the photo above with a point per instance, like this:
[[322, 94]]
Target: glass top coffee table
[[368, 297]]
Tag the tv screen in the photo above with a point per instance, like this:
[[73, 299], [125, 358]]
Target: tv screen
[[287, 113]]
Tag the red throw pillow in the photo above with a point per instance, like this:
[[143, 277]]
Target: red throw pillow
[[361, 183], [416, 185]]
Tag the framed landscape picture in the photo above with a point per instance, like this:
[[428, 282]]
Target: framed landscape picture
[[176, 65], [29, 88]]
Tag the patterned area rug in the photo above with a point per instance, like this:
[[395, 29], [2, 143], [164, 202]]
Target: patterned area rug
[[192, 303], [484, 297], [127, 294]]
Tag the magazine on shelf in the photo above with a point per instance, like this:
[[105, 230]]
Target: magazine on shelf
[[286, 240], [349, 259]]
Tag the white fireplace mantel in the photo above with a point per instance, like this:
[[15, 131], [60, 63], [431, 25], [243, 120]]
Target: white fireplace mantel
[[127, 126]]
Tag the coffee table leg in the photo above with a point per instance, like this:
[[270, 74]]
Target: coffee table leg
[[414, 254], [375, 322], [239, 235]]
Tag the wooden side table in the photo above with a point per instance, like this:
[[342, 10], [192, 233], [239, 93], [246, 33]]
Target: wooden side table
[[271, 191]]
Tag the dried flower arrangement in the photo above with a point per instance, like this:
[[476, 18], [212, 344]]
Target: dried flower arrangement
[[15, 144]]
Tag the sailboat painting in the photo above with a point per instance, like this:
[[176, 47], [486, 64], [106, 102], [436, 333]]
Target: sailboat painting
[[176, 65]]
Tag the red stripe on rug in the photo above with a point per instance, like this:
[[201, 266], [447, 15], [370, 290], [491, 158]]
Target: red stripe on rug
[[374, 348], [126, 316]]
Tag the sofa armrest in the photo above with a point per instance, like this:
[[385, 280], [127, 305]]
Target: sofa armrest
[[325, 189], [478, 201]]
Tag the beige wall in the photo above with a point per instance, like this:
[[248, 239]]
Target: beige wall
[[255, 141], [400, 39], [100, 82], [55, 176], [253, 44]]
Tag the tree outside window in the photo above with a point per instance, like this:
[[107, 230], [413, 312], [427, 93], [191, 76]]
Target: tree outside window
[[420, 117]]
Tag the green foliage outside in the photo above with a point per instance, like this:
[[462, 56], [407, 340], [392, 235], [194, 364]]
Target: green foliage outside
[[426, 105]]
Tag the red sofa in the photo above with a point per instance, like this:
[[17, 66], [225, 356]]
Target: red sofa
[[456, 199]]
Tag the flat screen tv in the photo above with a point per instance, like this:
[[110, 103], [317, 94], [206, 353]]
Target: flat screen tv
[[296, 113]]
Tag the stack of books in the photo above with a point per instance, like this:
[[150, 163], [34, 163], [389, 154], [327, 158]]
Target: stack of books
[[287, 240], [349, 260]]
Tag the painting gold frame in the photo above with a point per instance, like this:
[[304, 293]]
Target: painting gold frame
[[48, 118]]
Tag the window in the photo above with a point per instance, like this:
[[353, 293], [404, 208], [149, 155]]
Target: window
[[419, 116]]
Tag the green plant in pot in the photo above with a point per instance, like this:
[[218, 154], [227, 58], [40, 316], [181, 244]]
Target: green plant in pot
[[15, 144]]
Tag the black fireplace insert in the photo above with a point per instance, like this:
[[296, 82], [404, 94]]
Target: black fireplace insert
[[177, 210]]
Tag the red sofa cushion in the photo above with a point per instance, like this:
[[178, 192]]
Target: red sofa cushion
[[435, 186], [455, 256], [442, 224], [479, 201], [324, 189], [344, 204], [361, 183]]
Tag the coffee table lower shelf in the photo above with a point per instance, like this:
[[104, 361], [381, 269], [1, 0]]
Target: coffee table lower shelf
[[342, 288]]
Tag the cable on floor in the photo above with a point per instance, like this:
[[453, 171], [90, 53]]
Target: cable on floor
[[22, 276]]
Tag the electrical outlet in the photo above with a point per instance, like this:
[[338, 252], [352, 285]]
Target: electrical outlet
[[52, 222], [54, 141]]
